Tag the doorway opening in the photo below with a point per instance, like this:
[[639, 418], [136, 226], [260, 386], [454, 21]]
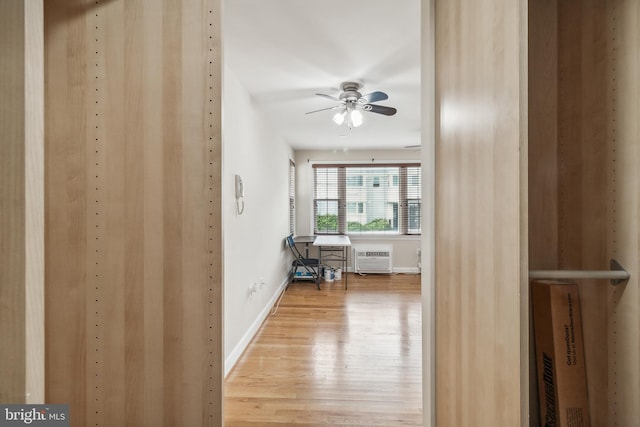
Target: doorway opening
[[277, 69]]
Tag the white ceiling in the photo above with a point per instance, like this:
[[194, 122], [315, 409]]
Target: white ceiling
[[285, 51]]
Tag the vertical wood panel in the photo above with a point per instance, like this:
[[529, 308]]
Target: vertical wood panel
[[133, 148], [172, 184], [116, 178], [623, 52], [543, 134], [153, 165], [480, 153], [597, 181], [134, 151], [582, 174], [12, 202], [214, 300], [568, 217], [34, 200], [21, 203], [543, 155], [582, 134], [66, 252], [428, 215]]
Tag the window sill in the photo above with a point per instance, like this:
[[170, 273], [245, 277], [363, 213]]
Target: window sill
[[409, 237]]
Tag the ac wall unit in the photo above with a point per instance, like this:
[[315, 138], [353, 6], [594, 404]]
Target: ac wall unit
[[374, 259]]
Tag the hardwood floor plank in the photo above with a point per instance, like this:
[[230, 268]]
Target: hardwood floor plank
[[334, 358]]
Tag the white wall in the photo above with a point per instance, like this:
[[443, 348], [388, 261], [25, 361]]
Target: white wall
[[254, 241], [405, 257]]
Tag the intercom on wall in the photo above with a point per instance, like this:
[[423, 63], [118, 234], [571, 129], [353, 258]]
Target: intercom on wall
[[239, 195], [239, 187]]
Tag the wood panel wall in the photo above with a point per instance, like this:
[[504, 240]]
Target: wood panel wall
[[428, 159], [582, 175], [581, 101], [543, 135], [623, 166], [543, 157], [481, 208], [21, 203], [133, 225], [567, 155]]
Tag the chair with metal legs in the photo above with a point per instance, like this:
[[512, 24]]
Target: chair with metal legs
[[303, 268]]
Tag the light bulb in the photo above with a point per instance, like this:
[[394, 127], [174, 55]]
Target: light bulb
[[338, 118], [356, 118]]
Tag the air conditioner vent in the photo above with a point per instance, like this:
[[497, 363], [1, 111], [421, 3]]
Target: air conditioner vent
[[377, 254], [373, 259]]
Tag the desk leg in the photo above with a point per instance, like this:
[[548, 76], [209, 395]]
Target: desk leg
[[346, 263]]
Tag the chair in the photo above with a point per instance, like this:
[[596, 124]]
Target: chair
[[303, 268]]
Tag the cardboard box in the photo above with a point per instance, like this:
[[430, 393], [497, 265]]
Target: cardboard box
[[562, 383]]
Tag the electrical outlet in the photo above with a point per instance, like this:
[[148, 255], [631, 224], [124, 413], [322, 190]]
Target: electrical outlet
[[418, 251], [262, 283]]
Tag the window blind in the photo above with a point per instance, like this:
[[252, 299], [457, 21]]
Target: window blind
[[292, 197], [367, 199]]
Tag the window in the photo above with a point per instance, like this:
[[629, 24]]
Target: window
[[292, 197], [367, 199], [355, 207], [354, 181], [413, 198]]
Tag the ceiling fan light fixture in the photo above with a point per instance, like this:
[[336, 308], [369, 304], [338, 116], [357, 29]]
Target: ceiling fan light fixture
[[356, 118], [352, 103]]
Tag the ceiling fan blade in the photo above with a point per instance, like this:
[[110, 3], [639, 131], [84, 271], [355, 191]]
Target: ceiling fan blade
[[380, 109], [333, 98], [324, 109], [373, 97]]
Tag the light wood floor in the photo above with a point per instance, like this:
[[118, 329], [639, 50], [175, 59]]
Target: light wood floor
[[334, 358]]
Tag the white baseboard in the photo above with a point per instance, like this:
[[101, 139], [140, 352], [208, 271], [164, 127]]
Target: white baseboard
[[406, 270], [398, 270], [234, 356]]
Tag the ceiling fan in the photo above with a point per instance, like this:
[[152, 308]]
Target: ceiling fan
[[351, 102]]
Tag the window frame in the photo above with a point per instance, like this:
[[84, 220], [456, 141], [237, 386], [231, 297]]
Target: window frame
[[292, 197], [405, 202]]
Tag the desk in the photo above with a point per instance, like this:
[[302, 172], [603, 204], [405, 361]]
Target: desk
[[334, 248]]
